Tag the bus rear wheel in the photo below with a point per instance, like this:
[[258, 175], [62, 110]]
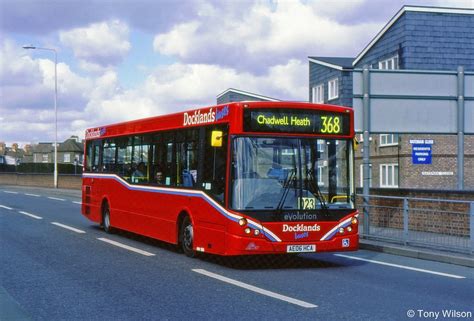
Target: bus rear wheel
[[186, 235], [106, 219]]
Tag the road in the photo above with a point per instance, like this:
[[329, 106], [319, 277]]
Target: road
[[56, 265]]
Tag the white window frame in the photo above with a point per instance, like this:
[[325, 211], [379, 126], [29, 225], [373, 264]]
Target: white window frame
[[361, 175], [321, 175], [390, 171], [389, 63], [333, 89], [321, 146], [43, 160], [393, 138], [318, 94], [67, 158]]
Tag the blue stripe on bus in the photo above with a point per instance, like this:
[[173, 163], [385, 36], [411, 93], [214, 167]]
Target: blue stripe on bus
[[169, 191]]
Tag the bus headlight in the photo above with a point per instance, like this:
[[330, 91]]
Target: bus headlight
[[242, 221], [354, 221], [341, 230], [247, 230], [349, 229], [256, 232]]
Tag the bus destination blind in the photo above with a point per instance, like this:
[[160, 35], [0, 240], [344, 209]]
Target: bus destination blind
[[296, 121]]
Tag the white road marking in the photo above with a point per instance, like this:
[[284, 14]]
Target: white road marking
[[255, 289], [123, 246], [68, 227], [30, 215], [6, 207], [402, 266], [34, 195], [10, 192], [56, 199], [80, 203]]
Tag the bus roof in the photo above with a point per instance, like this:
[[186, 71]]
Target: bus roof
[[209, 115]]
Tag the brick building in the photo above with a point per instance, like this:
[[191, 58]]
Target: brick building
[[416, 38]]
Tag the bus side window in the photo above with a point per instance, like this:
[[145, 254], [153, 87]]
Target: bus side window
[[157, 159], [96, 155], [186, 155], [109, 156], [140, 169], [124, 157], [169, 168], [89, 156]]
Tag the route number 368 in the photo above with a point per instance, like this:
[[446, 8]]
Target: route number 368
[[331, 125]]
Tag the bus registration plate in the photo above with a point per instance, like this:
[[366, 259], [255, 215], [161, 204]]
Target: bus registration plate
[[301, 248]]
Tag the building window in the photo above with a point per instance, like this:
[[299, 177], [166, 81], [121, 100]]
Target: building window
[[333, 89], [318, 94], [321, 170], [361, 175], [45, 158], [389, 175], [321, 145], [67, 158], [388, 140], [389, 64]]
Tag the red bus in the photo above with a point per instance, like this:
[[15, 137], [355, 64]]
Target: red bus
[[235, 179]]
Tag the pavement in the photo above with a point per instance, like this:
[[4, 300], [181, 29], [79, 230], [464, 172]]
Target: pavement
[[418, 252], [57, 265]]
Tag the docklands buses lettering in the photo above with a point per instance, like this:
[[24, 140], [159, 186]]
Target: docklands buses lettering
[[95, 133], [211, 116], [301, 228], [198, 118]]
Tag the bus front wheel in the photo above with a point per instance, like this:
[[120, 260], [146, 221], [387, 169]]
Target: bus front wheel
[[106, 219], [187, 237]]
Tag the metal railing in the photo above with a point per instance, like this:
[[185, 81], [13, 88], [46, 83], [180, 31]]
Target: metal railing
[[434, 223]]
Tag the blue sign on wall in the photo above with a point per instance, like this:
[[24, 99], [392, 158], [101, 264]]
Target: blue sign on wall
[[421, 154]]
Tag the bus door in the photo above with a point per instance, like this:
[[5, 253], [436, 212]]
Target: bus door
[[92, 186]]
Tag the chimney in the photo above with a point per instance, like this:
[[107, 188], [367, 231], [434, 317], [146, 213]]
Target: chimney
[[27, 149]]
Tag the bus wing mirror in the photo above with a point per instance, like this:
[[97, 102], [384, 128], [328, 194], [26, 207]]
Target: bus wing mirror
[[216, 138], [356, 144]]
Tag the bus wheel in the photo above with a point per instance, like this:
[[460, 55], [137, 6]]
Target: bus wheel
[[187, 237], [106, 219]]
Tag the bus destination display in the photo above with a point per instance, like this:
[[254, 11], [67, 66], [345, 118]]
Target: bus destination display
[[296, 121]]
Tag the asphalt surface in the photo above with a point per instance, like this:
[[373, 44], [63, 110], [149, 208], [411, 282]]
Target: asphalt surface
[[56, 265]]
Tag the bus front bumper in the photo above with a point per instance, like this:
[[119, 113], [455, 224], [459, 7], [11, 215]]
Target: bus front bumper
[[241, 245]]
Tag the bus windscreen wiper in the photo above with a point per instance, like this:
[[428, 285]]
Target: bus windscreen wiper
[[286, 188], [319, 195]]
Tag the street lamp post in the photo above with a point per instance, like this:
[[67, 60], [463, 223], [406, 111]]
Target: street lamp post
[[30, 47]]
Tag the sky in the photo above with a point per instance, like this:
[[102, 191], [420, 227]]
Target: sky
[[127, 59]]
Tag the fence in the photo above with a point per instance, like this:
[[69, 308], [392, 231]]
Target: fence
[[38, 168], [41, 180], [435, 223]]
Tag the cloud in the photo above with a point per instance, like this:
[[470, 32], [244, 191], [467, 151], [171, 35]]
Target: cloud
[[265, 36], [27, 95], [29, 83], [181, 86], [16, 68], [44, 17], [99, 45]]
